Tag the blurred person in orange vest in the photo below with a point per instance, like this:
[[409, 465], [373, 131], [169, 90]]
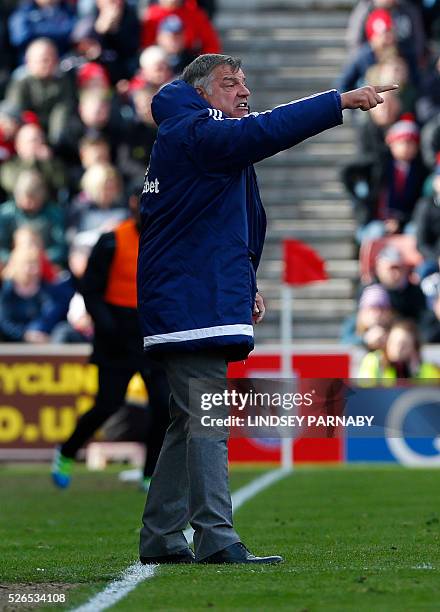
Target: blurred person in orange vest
[[109, 290]]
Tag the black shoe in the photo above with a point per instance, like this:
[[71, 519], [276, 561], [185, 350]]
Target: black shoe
[[238, 553], [184, 556]]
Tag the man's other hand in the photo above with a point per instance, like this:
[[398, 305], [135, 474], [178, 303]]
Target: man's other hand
[[259, 309], [366, 97]]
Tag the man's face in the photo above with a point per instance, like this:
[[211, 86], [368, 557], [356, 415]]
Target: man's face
[[156, 72], [29, 202], [228, 92], [94, 112], [29, 141], [42, 60]]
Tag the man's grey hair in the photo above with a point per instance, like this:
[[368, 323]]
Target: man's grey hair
[[199, 72]]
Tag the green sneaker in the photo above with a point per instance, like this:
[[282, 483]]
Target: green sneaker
[[61, 470]]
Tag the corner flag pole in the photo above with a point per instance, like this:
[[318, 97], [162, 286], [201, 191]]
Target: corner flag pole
[[286, 363], [302, 265]]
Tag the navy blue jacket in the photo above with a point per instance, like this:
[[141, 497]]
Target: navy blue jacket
[[203, 223]]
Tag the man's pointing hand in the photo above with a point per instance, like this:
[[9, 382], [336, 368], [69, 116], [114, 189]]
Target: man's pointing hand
[[366, 97]]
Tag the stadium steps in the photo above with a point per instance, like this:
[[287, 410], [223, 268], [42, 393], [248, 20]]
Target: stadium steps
[[291, 49]]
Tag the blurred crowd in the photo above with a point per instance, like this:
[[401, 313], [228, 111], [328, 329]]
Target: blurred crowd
[[76, 131], [394, 180]]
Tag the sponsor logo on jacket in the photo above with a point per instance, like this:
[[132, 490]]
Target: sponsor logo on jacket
[[151, 186]]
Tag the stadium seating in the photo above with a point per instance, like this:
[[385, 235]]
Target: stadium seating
[[291, 50]]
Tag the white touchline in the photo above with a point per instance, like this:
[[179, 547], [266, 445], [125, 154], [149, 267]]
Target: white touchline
[[137, 573]]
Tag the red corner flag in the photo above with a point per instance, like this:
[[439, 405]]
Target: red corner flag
[[302, 265]]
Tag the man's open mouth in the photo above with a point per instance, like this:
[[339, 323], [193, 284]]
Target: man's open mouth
[[243, 105]]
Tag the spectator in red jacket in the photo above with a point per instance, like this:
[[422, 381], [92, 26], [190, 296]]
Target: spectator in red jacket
[[200, 35]]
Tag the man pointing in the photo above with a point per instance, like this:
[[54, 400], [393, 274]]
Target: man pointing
[[203, 228]]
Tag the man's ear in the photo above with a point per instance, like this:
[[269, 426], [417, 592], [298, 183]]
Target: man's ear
[[201, 92]]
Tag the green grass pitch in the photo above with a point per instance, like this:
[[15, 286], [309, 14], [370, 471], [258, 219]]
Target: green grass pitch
[[353, 538]]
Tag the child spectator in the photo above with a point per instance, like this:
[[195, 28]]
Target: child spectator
[[43, 89], [33, 153], [29, 307], [100, 206], [115, 29], [31, 207], [200, 35], [52, 19], [386, 190], [401, 357]]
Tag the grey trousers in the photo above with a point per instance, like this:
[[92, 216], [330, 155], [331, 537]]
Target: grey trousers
[[190, 482]]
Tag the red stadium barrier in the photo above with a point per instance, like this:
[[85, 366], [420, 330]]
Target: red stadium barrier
[[305, 365]]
